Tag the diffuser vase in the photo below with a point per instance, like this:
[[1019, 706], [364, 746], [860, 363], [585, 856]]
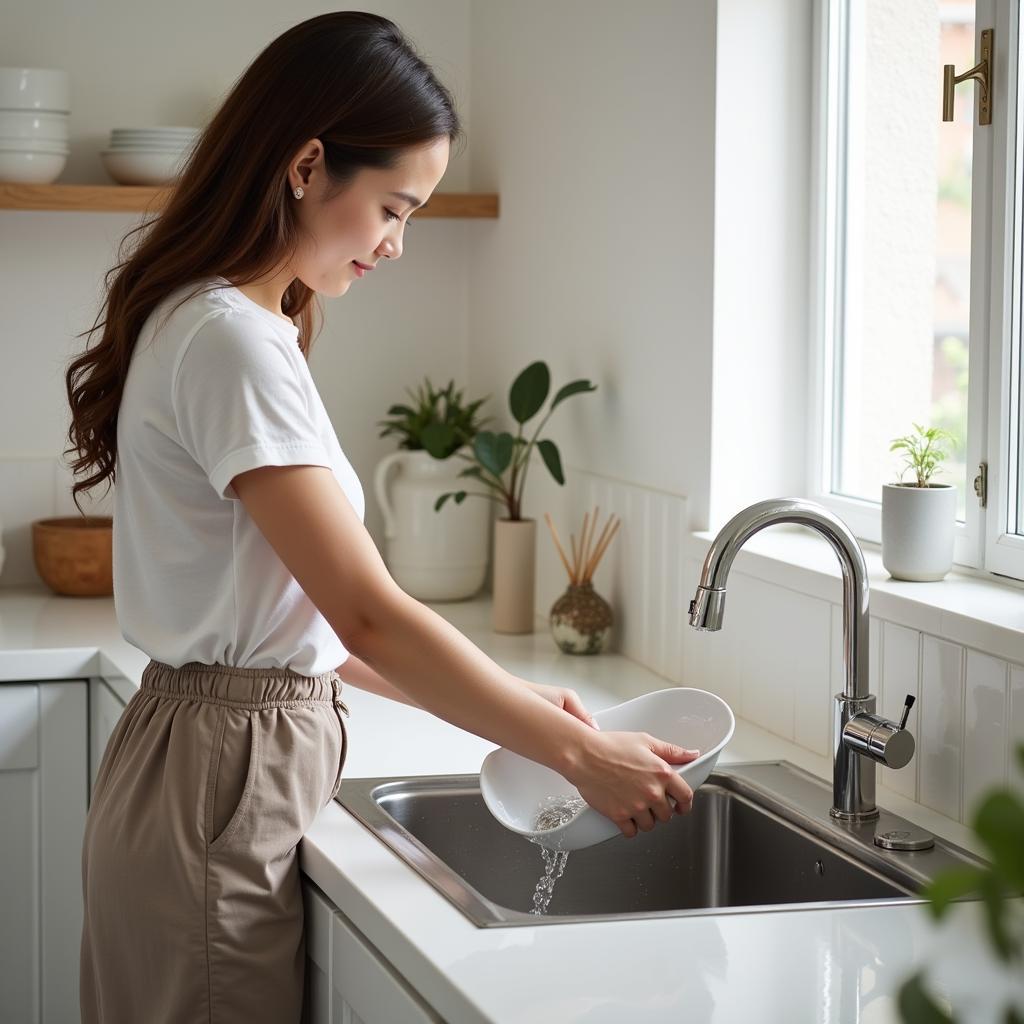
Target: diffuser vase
[[581, 620], [515, 556]]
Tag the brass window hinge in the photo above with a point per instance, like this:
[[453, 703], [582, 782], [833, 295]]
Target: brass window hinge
[[981, 483]]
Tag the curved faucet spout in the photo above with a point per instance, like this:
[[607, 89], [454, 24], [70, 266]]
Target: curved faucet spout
[[708, 606]]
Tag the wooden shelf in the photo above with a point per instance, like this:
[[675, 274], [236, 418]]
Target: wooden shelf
[[146, 199]]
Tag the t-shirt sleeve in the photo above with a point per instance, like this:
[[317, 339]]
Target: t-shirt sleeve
[[240, 403]]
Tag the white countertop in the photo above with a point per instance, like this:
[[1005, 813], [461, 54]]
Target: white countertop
[[816, 965]]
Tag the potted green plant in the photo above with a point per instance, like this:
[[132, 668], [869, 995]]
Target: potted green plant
[[433, 558], [998, 823], [918, 517], [500, 462]]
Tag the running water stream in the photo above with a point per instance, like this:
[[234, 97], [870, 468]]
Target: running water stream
[[554, 811]]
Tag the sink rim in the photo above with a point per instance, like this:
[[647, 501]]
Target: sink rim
[[797, 798]]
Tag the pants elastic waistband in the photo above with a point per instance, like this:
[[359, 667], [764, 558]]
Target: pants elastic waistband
[[251, 688]]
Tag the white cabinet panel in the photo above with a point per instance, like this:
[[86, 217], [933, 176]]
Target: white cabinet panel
[[43, 787], [368, 985], [347, 980], [105, 709]]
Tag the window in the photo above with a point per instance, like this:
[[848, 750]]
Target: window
[[916, 264]]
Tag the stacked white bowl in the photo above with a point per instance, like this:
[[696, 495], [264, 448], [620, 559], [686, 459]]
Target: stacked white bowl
[[148, 156], [34, 115]]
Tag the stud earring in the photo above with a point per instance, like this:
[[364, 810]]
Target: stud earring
[[298, 193]]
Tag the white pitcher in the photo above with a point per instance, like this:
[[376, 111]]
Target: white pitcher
[[433, 556]]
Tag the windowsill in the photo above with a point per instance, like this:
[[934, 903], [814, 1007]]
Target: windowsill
[[972, 610]]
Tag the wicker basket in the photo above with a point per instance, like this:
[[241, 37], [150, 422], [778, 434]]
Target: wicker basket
[[74, 554]]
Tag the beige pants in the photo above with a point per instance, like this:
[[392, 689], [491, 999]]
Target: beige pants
[[190, 875]]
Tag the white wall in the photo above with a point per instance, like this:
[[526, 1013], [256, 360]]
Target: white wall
[[595, 123], [134, 65], [761, 199]]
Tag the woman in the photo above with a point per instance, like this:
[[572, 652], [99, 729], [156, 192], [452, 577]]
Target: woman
[[241, 563]]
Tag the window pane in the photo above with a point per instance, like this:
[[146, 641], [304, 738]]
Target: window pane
[[902, 348]]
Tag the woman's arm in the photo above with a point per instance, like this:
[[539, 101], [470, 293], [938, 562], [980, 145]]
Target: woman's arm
[[308, 520], [357, 673]]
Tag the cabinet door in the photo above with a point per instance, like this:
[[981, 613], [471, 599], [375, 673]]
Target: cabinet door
[[318, 911], [43, 789], [365, 987], [105, 709]]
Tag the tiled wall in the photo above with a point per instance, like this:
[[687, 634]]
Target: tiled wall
[[969, 706], [778, 658], [30, 489]]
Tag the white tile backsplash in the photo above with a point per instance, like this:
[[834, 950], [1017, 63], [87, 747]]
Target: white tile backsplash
[[986, 717], [900, 675], [940, 744], [778, 660]]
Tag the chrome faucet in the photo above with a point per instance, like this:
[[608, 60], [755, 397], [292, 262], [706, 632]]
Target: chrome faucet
[[860, 738]]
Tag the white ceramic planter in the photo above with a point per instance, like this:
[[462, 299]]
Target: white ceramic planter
[[433, 556], [918, 530]]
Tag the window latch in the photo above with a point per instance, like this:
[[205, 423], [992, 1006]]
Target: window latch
[[982, 71], [981, 483]]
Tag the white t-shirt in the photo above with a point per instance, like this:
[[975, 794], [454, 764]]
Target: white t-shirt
[[218, 387]]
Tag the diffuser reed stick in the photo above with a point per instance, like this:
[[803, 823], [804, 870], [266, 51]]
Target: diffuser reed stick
[[587, 556]]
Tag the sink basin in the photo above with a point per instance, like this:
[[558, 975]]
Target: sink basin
[[759, 838]]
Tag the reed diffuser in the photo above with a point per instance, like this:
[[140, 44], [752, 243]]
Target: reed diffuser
[[581, 619]]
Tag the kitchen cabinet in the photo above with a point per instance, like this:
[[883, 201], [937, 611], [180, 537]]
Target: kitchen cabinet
[[347, 980], [105, 709], [44, 773]]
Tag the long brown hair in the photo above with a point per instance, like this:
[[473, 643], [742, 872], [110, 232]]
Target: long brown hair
[[348, 78]]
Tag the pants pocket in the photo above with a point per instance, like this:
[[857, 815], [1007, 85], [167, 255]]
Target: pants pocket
[[339, 708], [234, 762]]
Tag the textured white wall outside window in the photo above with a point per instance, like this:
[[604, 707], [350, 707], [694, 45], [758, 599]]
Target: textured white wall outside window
[[891, 235]]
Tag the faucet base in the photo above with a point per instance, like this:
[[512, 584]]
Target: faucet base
[[855, 816]]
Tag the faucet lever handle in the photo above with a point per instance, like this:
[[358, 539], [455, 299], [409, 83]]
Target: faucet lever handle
[[906, 710]]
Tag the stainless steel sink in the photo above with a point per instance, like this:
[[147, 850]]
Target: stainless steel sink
[[759, 838]]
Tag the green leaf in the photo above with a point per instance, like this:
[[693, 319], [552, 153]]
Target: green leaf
[[999, 822], [916, 1006], [995, 911], [1020, 756], [570, 389], [952, 884], [437, 438], [404, 410], [549, 452], [494, 451], [529, 391], [440, 501]]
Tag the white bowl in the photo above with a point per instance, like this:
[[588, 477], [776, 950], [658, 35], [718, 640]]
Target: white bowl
[[23, 168], [515, 788], [33, 145], [33, 124], [34, 89], [144, 166]]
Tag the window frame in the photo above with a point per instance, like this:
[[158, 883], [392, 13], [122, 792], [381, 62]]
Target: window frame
[[981, 542]]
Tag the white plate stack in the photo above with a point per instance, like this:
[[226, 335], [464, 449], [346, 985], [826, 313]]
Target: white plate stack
[[148, 156], [34, 115]]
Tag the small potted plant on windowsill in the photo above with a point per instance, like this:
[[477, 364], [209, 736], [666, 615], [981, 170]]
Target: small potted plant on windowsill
[[918, 518]]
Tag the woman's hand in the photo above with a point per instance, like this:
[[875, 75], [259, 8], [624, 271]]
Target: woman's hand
[[627, 776], [564, 698]]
